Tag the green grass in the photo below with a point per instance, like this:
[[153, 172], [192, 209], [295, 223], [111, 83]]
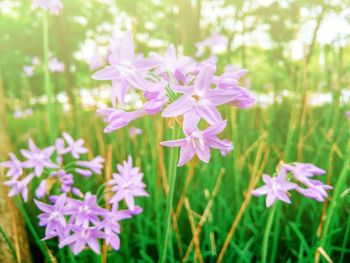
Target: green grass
[[262, 138]]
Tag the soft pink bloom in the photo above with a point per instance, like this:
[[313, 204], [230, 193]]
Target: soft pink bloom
[[125, 69], [53, 218], [127, 184], [199, 143], [40, 192], [303, 173], [117, 119], [74, 147], [95, 61], [169, 62], [275, 188], [15, 166], [81, 237], [37, 158], [200, 100], [213, 41], [156, 97], [95, 165], [19, 187]]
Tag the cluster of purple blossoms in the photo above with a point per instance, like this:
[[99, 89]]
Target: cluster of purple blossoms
[[178, 87], [58, 163], [296, 176], [81, 222], [53, 6]]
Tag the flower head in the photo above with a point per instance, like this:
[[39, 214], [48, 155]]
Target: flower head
[[53, 217], [95, 165], [117, 119], [200, 100], [37, 158], [74, 147], [127, 184], [14, 166], [199, 143], [85, 211], [19, 187], [82, 236], [275, 188], [125, 68]]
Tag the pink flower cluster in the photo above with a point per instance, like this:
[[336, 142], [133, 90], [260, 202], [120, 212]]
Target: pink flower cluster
[[296, 176], [52, 164], [81, 222], [175, 87]]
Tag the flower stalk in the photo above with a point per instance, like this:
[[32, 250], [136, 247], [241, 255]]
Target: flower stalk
[[172, 180], [265, 245], [47, 80]]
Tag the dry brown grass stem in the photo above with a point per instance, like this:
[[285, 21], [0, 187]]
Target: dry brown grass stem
[[198, 254], [206, 213], [253, 182]]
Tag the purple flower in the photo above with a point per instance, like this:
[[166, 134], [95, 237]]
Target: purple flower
[[200, 100], [65, 179], [38, 159], [214, 42], [127, 184], [28, 71], [74, 147], [95, 61], [55, 65], [53, 217], [315, 190], [111, 226], [275, 188], [94, 165], [199, 143], [133, 132], [226, 151], [81, 237], [348, 114], [303, 173], [54, 6], [169, 62], [84, 212], [40, 192], [117, 119], [14, 165], [125, 69], [156, 97], [19, 187]]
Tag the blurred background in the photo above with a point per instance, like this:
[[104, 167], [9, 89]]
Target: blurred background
[[297, 53]]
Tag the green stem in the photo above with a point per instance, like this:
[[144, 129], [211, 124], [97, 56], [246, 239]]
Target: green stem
[[336, 200], [47, 83], [267, 234], [8, 242], [172, 179], [32, 230]]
